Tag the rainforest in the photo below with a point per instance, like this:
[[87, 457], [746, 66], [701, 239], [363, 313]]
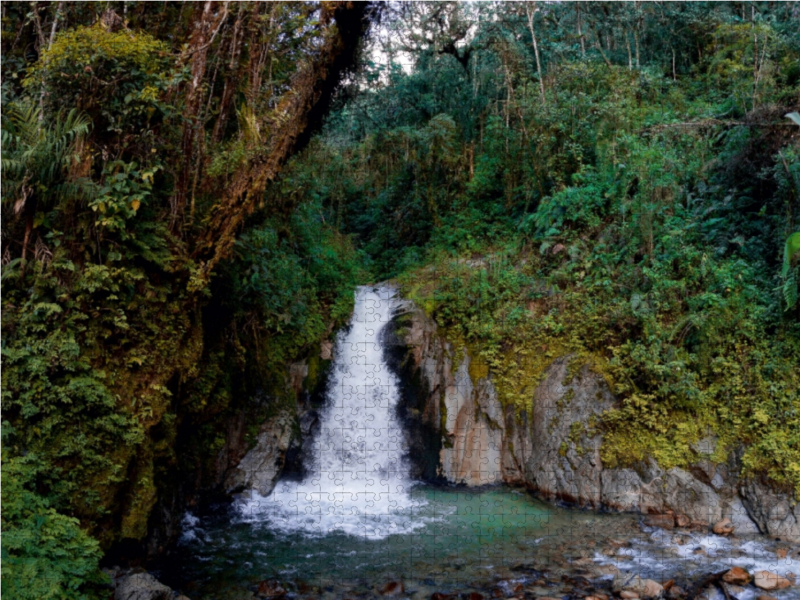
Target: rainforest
[[589, 212]]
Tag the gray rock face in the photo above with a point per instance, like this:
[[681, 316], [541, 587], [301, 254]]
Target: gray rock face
[[554, 460], [552, 449], [466, 413], [240, 467], [261, 466], [773, 512], [140, 586]]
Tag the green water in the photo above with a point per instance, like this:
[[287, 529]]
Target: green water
[[463, 538]]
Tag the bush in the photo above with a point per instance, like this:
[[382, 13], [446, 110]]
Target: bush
[[46, 555]]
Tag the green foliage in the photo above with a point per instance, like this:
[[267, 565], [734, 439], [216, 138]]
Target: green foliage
[[38, 156], [619, 219], [46, 555], [790, 275], [291, 280], [124, 191], [631, 214], [117, 78]]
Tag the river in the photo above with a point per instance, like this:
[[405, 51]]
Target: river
[[357, 522]]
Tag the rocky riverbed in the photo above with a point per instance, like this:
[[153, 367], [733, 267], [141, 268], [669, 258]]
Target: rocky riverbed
[[416, 482], [494, 542]]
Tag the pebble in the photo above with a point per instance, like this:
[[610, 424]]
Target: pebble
[[393, 588], [682, 521], [270, 588], [767, 580], [723, 527], [737, 576]]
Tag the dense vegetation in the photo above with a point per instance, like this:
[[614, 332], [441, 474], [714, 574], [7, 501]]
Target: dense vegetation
[[614, 181], [621, 187], [138, 141]]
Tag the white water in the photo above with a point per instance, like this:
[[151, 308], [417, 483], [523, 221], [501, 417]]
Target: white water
[[358, 482]]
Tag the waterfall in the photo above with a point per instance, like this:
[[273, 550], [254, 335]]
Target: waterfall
[[358, 481]]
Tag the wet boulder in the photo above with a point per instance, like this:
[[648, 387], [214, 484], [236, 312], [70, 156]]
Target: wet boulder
[[140, 586], [737, 576], [767, 580]]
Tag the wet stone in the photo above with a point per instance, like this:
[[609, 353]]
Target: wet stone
[[270, 588]]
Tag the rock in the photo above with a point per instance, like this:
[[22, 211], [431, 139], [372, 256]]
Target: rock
[[683, 492], [326, 350], [270, 588], [781, 552], [682, 520], [766, 597], [393, 588], [553, 460], [626, 595], [737, 576], [676, 591], [767, 580], [662, 521], [644, 588], [736, 590], [742, 522], [261, 466], [723, 527], [604, 570], [141, 586], [652, 589], [441, 596], [647, 588], [773, 512], [537, 446]]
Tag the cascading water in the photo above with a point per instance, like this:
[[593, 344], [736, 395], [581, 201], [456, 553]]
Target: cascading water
[[358, 480], [357, 519]]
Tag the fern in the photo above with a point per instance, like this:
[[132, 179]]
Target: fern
[[36, 154], [791, 248]]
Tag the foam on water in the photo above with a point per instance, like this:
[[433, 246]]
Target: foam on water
[[358, 480], [699, 554]]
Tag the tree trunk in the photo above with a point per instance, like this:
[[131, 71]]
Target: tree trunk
[[630, 56], [303, 112], [530, 10], [234, 74], [205, 29]]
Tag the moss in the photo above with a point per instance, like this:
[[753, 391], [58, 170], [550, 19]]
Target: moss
[[563, 449], [478, 369], [141, 498]]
